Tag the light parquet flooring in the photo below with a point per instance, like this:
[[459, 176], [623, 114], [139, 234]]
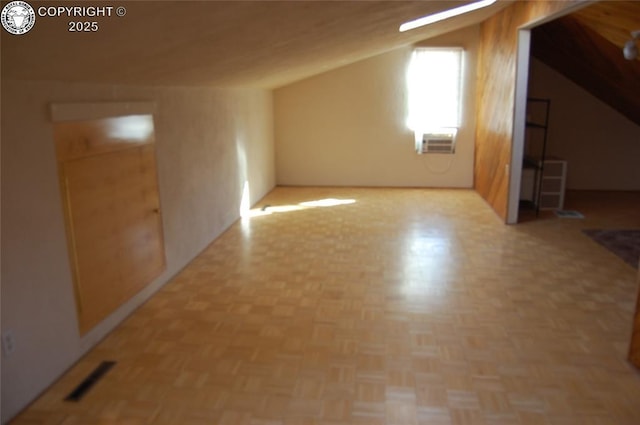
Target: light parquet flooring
[[405, 307]]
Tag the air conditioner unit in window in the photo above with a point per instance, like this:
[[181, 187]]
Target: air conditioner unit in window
[[441, 142]]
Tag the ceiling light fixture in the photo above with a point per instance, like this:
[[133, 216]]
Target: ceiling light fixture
[[630, 49], [440, 16]]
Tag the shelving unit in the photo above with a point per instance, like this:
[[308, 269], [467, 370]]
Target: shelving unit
[[552, 184], [543, 178]]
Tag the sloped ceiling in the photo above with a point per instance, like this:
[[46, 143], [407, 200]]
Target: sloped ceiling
[[586, 47], [221, 43], [613, 20]]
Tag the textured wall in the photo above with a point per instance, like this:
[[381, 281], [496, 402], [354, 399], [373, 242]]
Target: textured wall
[[348, 126], [601, 145], [496, 96], [208, 143]]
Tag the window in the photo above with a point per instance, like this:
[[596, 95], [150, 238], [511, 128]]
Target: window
[[434, 89]]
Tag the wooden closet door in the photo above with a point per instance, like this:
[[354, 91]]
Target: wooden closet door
[[634, 349], [113, 215]]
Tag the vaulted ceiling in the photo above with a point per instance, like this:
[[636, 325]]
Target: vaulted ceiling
[[586, 47], [221, 43], [612, 20], [273, 43]]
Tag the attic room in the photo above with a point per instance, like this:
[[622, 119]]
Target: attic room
[[313, 267]]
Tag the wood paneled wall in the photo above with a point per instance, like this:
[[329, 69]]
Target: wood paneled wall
[[634, 348], [496, 97]]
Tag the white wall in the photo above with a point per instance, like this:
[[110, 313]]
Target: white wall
[[347, 126], [208, 143], [602, 146]]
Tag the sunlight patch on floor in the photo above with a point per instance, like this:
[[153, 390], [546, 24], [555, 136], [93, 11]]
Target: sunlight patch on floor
[[320, 203]]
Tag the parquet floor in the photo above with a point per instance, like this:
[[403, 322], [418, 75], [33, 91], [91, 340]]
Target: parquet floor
[[404, 307]]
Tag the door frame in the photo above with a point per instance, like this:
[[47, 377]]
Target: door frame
[[523, 56]]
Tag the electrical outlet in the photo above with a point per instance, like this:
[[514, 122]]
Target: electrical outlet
[[8, 343]]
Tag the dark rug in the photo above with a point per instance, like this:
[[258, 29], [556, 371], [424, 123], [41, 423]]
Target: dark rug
[[624, 243]]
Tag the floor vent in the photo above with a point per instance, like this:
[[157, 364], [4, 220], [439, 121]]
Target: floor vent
[[90, 381]]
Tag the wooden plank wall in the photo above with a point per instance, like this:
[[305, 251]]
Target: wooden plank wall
[[634, 348], [496, 97]]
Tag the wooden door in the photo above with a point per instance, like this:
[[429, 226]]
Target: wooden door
[[109, 186], [634, 349]]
